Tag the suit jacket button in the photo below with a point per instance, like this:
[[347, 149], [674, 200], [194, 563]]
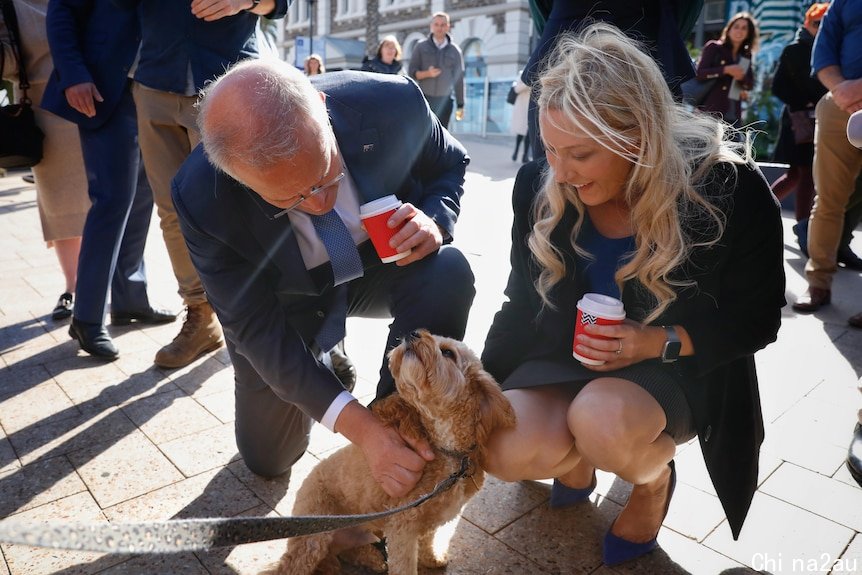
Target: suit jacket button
[[707, 434], [320, 313]]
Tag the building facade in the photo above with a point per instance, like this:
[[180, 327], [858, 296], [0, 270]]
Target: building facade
[[494, 35]]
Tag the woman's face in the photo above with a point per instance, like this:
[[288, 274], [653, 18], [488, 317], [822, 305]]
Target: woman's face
[[313, 67], [598, 174], [387, 52], [738, 31]]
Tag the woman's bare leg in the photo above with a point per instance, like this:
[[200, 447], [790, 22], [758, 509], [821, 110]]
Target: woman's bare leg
[[619, 427], [67, 254]]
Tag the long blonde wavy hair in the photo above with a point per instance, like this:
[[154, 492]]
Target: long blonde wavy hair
[[603, 83]]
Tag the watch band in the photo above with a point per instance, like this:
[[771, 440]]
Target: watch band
[[672, 345], [254, 4]]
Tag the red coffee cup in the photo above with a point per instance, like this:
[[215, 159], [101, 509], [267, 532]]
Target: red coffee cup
[[596, 309], [374, 216]]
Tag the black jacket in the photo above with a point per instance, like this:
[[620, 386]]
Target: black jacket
[[793, 83], [733, 311]]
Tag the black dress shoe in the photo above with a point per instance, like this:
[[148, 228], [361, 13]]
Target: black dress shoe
[[343, 367], [64, 306], [94, 339], [149, 316], [854, 455], [848, 259]]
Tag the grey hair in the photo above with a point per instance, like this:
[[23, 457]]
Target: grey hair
[[277, 103]]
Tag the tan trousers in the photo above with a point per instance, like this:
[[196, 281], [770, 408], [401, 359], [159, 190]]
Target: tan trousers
[[167, 134], [837, 164]]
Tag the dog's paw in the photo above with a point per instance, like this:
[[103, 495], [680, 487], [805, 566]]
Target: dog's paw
[[433, 561], [367, 556]]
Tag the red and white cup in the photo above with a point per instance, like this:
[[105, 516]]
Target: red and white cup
[[374, 216], [596, 309]]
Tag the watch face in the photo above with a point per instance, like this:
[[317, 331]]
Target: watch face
[[671, 351]]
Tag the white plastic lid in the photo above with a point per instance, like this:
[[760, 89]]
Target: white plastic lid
[[379, 206]]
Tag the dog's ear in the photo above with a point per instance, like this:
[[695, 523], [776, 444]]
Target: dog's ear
[[393, 410], [495, 409]]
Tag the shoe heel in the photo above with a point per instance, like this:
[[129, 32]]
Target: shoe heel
[[616, 550]]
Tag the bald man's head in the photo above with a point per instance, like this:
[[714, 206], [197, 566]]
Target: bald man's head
[[259, 113]]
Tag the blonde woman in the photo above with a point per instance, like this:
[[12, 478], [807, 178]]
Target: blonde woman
[[388, 57], [314, 65], [641, 200]]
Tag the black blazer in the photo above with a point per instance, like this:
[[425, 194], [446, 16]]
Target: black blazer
[[251, 267], [733, 310]]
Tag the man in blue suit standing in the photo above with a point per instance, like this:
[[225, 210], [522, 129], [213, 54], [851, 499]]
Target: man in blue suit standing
[[279, 154], [93, 44]]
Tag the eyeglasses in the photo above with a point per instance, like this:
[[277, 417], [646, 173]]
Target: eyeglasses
[[311, 193]]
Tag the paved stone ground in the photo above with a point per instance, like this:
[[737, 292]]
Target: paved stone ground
[[125, 441]]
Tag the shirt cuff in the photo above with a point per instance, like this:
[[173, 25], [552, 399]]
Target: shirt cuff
[[335, 409]]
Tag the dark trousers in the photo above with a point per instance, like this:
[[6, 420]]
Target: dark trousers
[[442, 107], [115, 232], [434, 293]]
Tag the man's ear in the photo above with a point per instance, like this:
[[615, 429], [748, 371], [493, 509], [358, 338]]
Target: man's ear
[[322, 97]]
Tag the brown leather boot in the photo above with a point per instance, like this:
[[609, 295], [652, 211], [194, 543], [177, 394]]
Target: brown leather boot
[[200, 334]]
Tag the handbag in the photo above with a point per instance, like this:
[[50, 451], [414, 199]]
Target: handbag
[[803, 126], [512, 95], [21, 140], [695, 92]]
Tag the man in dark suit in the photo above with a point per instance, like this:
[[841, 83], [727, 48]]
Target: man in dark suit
[[288, 152], [93, 44]]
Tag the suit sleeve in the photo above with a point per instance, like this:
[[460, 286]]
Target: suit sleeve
[[440, 168], [745, 314], [65, 24], [513, 328], [252, 318]]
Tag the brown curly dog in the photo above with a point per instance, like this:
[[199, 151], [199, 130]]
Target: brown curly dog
[[445, 397]]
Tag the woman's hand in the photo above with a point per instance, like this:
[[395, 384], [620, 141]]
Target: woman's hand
[[735, 71], [630, 342]]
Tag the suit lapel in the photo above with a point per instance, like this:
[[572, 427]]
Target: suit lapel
[[274, 238]]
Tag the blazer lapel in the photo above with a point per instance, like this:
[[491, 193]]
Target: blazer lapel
[[274, 240]]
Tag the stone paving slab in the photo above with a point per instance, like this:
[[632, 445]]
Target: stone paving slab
[[126, 441]]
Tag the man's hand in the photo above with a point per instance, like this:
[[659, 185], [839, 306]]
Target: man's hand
[[431, 72], [396, 463], [83, 98], [459, 114], [210, 10], [848, 95], [420, 234]]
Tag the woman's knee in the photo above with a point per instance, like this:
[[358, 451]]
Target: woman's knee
[[611, 417]]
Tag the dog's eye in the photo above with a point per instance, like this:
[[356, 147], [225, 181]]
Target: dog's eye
[[448, 353]]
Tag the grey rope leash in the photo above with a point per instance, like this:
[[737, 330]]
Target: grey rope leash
[[194, 534]]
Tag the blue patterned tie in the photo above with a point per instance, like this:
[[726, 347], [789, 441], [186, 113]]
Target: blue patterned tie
[[346, 266]]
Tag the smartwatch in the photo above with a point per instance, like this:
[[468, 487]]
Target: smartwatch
[[672, 346]]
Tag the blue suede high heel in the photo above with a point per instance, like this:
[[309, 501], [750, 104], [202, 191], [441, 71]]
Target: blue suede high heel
[[564, 496], [617, 550]]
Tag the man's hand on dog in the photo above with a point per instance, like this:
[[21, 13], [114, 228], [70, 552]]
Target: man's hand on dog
[[420, 234], [396, 463]]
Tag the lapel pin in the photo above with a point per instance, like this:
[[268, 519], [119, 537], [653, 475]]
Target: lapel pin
[[368, 147]]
